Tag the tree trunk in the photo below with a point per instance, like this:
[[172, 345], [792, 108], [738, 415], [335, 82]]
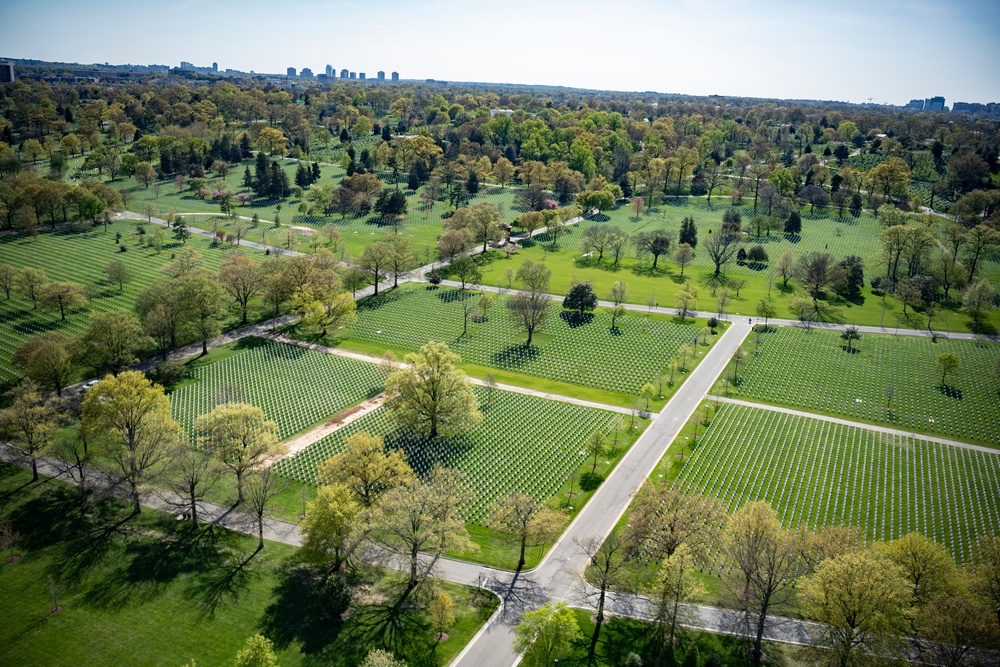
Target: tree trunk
[[204, 346], [521, 561], [34, 469], [592, 651], [239, 488], [194, 510]]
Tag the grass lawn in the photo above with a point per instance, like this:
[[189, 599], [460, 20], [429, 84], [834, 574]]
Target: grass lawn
[[660, 286], [623, 636], [148, 591], [80, 253], [584, 351], [889, 380], [818, 473]]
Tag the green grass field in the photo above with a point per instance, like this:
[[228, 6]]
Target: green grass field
[[525, 444], [584, 352], [813, 370], [818, 473], [80, 253], [568, 263], [294, 386], [149, 592]]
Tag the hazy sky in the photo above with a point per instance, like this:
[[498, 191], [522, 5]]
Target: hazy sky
[[889, 50]]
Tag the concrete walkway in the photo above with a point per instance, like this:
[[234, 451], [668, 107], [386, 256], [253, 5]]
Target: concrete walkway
[[847, 422]]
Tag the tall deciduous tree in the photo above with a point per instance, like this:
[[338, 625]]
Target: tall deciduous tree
[[664, 517], [243, 278], [240, 437], [546, 634], [529, 308], [332, 523], [203, 304], [721, 248], [28, 424], [111, 342], [423, 518], [62, 297], [433, 396], [129, 417], [366, 468], [764, 558], [860, 599], [46, 359], [676, 586], [525, 520], [263, 485]]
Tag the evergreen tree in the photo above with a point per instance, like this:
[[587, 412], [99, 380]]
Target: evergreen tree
[[302, 176], [472, 185], [247, 178], [626, 187], [689, 232], [262, 176], [245, 151], [386, 134], [413, 182], [315, 173], [793, 225], [344, 136]]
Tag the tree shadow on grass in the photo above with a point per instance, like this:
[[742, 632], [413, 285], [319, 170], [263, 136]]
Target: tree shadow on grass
[[300, 611], [515, 356], [575, 320], [950, 392], [223, 583]]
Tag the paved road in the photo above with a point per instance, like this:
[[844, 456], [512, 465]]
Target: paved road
[[559, 576], [848, 422]]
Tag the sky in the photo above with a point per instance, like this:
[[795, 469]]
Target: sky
[[849, 50]]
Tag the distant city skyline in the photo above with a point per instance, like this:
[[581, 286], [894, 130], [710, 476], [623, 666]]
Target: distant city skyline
[[891, 51]]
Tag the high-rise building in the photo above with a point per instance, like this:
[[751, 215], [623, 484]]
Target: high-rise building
[[6, 72], [306, 73], [395, 77], [934, 104], [215, 67], [381, 75], [344, 74], [361, 76], [290, 71], [329, 70], [354, 75], [915, 105]]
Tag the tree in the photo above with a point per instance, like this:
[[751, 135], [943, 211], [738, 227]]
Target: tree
[[29, 283], [263, 485], [861, 600], [62, 296], [117, 272], [546, 634], [129, 418], [986, 573], [380, 658], [331, 525], [366, 468], [665, 516], [46, 359], [977, 300], [655, 243], [909, 294], [441, 611], [580, 299], [764, 560], [608, 570], [192, 474], [793, 224], [982, 240], [739, 356], [111, 342], [529, 308], [683, 255], [375, 260], [454, 242], [721, 248], [946, 363], [689, 232], [243, 278], [525, 520], [638, 207], [466, 270], [203, 304], [850, 334], [928, 566], [433, 396], [28, 423], [257, 652], [813, 269], [417, 517], [145, 173], [329, 309], [240, 437], [956, 627], [685, 299], [766, 309], [785, 266], [8, 279], [676, 586]]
